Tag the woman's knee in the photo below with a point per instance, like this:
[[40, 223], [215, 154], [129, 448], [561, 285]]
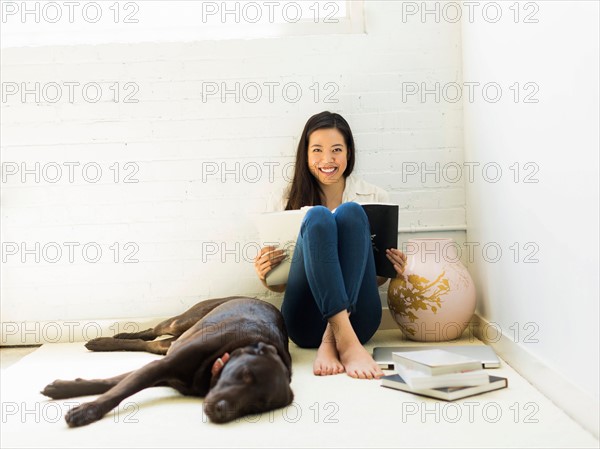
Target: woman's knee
[[319, 217], [351, 214]]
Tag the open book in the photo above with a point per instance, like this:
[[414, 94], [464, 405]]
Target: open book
[[281, 229]]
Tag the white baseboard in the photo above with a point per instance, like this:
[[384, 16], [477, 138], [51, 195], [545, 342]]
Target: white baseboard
[[571, 399]]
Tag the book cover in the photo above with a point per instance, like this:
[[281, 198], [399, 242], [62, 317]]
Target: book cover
[[383, 221], [395, 381], [435, 361], [418, 380], [281, 229]]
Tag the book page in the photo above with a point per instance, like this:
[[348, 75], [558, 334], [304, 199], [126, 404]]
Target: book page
[[280, 229]]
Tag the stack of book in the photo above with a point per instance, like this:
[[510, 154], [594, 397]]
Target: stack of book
[[440, 374]]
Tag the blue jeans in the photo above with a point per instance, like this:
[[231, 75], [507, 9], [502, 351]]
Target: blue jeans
[[332, 270]]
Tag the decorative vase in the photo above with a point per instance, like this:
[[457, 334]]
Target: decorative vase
[[434, 299]]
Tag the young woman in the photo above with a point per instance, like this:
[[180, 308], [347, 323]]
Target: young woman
[[331, 299]]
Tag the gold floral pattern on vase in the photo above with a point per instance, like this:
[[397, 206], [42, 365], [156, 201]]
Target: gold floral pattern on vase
[[412, 293], [434, 299]]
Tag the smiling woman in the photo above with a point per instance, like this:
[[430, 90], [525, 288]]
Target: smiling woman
[[331, 298], [326, 147]]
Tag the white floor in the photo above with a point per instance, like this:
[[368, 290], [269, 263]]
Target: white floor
[[332, 411]]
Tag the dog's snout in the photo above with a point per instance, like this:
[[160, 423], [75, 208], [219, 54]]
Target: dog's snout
[[220, 410]]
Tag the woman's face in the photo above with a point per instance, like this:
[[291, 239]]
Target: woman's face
[[327, 155]]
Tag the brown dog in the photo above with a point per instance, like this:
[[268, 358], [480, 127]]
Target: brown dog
[[232, 351]]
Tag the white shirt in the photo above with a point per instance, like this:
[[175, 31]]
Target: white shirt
[[356, 190]]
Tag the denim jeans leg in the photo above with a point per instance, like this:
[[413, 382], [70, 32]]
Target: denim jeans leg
[[354, 243], [303, 319], [358, 268], [322, 262], [332, 270]]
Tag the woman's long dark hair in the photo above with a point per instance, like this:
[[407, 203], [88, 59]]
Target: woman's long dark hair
[[305, 190]]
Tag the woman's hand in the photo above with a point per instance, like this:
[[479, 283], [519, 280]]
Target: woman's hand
[[268, 258], [398, 258]]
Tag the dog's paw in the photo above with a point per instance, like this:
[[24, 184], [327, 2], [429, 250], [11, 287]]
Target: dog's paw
[[84, 414], [103, 344], [61, 389]]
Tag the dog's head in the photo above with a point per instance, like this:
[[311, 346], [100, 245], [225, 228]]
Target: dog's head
[[253, 380]]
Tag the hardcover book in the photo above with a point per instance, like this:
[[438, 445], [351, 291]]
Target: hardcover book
[[447, 393], [383, 221], [484, 353], [281, 229], [435, 361], [418, 380]]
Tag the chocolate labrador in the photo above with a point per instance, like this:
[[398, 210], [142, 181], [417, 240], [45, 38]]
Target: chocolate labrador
[[232, 351]]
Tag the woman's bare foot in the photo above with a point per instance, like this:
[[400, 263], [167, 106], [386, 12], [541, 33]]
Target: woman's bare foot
[[357, 362], [327, 361]]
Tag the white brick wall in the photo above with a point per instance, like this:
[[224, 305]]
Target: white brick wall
[[171, 135]]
